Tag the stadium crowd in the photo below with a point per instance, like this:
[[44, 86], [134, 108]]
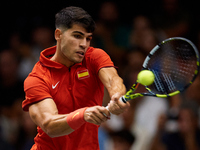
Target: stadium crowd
[[150, 123]]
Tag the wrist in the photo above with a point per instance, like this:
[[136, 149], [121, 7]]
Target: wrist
[[76, 119]]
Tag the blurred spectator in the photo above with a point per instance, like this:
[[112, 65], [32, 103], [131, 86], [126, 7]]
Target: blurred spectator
[[172, 19], [172, 113], [134, 60], [5, 146], [12, 94], [156, 143], [23, 51], [110, 34], [192, 92], [42, 37], [146, 116], [187, 137], [121, 140], [197, 38], [11, 87], [103, 138], [142, 34], [28, 132]]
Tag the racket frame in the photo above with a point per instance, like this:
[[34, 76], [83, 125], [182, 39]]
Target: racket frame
[[129, 95]]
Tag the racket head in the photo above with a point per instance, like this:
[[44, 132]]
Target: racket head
[[175, 64]]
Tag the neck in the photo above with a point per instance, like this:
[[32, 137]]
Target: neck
[[60, 58]]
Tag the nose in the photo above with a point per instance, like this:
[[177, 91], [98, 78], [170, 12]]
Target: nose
[[83, 43]]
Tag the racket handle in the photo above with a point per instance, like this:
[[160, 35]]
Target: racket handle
[[121, 99], [105, 114]]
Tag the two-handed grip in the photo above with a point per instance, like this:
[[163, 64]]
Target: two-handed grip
[[121, 99]]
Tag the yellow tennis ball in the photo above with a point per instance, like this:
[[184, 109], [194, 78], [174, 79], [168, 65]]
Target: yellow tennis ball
[[146, 77]]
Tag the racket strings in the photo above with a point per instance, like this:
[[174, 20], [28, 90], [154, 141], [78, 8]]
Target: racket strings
[[173, 65]]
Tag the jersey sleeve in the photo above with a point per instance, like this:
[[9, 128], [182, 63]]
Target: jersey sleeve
[[36, 89], [101, 59]]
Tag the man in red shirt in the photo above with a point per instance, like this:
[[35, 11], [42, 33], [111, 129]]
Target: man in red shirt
[[64, 91]]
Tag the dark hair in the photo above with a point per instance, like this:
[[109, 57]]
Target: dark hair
[[74, 15]]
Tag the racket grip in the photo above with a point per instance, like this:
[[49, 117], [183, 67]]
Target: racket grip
[[122, 99], [105, 114]]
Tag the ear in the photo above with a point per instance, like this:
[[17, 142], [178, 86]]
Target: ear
[[57, 34]]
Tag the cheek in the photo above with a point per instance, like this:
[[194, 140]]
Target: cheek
[[69, 43]]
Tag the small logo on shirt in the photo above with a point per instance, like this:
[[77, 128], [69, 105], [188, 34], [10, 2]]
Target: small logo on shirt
[[75, 115], [83, 74], [54, 86]]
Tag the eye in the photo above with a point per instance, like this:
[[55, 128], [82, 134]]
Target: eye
[[77, 36], [89, 39]]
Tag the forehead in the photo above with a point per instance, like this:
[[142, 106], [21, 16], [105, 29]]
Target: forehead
[[79, 29]]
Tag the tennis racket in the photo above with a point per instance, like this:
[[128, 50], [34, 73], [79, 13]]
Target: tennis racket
[[175, 65]]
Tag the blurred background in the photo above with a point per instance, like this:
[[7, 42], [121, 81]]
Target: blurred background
[[127, 31]]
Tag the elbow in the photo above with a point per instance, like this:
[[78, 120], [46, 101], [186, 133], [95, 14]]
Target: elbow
[[53, 129], [46, 127], [50, 133]]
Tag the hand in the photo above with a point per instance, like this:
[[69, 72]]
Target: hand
[[116, 106], [96, 115]]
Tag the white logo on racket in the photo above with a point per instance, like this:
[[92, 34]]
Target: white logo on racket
[[54, 86]]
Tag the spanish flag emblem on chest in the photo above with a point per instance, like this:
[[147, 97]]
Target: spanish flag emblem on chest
[[83, 74]]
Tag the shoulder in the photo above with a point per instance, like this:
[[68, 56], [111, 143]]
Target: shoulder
[[95, 52], [37, 77], [98, 58], [97, 55]]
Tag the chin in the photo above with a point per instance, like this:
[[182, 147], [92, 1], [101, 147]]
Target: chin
[[78, 61]]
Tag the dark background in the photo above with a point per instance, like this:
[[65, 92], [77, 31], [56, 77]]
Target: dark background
[[22, 16]]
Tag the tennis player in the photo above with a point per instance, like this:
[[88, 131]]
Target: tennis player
[[64, 91]]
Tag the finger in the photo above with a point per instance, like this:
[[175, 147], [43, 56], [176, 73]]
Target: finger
[[105, 112], [114, 108], [96, 120], [94, 115], [99, 118], [93, 119]]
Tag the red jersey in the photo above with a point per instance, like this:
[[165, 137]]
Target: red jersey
[[71, 88]]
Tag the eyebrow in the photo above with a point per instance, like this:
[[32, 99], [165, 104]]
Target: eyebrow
[[80, 33]]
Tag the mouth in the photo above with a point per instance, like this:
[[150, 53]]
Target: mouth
[[80, 53]]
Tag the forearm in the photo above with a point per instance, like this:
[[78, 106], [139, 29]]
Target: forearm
[[64, 124], [45, 115], [116, 85], [112, 82], [115, 88]]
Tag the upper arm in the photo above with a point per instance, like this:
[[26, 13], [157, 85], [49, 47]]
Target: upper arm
[[45, 115], [42, 111]]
